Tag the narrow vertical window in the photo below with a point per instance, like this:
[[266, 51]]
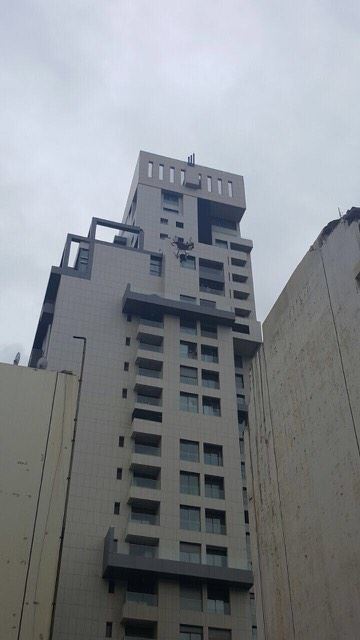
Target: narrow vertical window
[[150, 170], [172, 174], [209, 183], [161, 171], [219, 186], [182, 176], [108, 630], [230, 189]]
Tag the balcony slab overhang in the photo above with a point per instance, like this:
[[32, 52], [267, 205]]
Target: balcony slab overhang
[[119, 566]]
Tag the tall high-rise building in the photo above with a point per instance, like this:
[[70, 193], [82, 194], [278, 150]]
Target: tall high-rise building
[[157, 539]]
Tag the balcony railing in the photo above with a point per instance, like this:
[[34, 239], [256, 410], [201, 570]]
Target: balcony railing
[[146, 449], [152, 323], [148, 400], [148, 483], [149, 373], [145, 518], [148, 346], [208, 272], [150, 599]]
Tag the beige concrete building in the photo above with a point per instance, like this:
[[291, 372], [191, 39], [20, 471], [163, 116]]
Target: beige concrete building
[[157, 536], [37, 410], [304, 447]]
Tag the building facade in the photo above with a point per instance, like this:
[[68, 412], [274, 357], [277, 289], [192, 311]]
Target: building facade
[[304, 431], [157, 536], [37, 411]]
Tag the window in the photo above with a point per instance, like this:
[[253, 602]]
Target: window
[[246, 516], [150, 342], [211, 286], [238, 361], [180, 225], [215, 521], [209, 183], [161, 171], [138, 630], [208, 330], [155, 265], [142, 550], [188, 326], [207, 303], [121, 441], [219, 185], [243, 471], [218, 599], [111, 586], [172, 174], [222, 244], [240, 401], [214, 487], [190, 518], [189, 450], [230, 189], [170, 201], [116, 508], [190, 483], [182, 176], [189, 402], [239, 381], [211, 406], [213, 454], [142, 589], [237, 262], [223, 223], [241, 445], [128, 317], [147, 477], [188, 350], [127, 341], [108, 630], [216, 556], [238, 277], [144, 513], [82, 260], [190, 552], [210, 379], [188, 262], [150, 169], [163, 236], [124, 393], [126, 366], [147, 444], [118, 473], [188, 375], [191, 597], [191, 299], [164, 220], [190, 633], [209, 354], [240, 295], [219, 634]]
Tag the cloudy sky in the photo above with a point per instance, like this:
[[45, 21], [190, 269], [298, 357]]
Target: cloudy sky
[[269, 89]]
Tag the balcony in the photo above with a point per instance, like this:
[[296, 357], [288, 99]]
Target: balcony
[[145, 399], [149, 599]]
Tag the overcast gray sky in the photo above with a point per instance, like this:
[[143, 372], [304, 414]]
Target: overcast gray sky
[[268, 89]]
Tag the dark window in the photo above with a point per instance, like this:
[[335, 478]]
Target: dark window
[[147, 444], [241, 445], [142, 589], [207, 303], [142, 550], [188, 350], [155, 265], [211, 406], [118, 473], [116, 508], [240, 295], [190, 552], [215, 521], [190, 633], [108, 630], [163, 236], [124, 393], [238, 362], [180, 225], [243, 472], [82, 260], [222, 244], [219, 634], [213, 454], [128, 317], [209, 354], [246, 517], [224, 224], [239, 380], [237, 262], [138, 630], [164, 220], [211, 286], [127, 341], [210, 379], [145, 513], [185, 298], [190, 518], [241, 328], [189, 402], [214, 487], [121, 441], [111, 587], [218, 599], [188, 375], [208, 330], [188, 262], [126, 366], [237, 277], [189, 450], [216, 556], [188, 326], [189, 483], [147, 477], [191, 597]]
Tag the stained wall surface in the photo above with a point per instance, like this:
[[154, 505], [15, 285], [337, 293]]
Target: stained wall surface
[[36, 427], [304, 447]]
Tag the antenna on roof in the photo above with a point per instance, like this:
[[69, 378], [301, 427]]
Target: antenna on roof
[[17, 358], [340, 214], [191, 160]]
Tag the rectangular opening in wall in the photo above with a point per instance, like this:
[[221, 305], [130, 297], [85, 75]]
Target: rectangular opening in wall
[[190, 552], [209, 183], [190, 633], [213, 454], [172, 174], [182, 176], [161, 171], [230, 189], [108, 630], [147, 444], [189, 450], [150, 170], [219, 185], [190, 596], [216, 556], [188, 375]]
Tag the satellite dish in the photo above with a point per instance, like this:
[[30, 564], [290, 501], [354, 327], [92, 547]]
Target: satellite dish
[[17, 358]]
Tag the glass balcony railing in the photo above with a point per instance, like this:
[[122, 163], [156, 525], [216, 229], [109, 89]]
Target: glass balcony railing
[[208, 272], [152, 323], [149, 373], [150, 599], [148, 400], [146, 449], [149, 346], [148, 483]]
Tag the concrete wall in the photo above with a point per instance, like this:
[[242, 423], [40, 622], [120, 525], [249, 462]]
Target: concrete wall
[[304, 447], [36, 427]]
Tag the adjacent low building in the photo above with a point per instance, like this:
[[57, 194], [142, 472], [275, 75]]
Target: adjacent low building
[[37, 411], [304, 447]]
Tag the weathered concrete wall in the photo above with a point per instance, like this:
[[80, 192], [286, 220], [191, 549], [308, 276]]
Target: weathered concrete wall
[[37, 411], [304, 448]]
